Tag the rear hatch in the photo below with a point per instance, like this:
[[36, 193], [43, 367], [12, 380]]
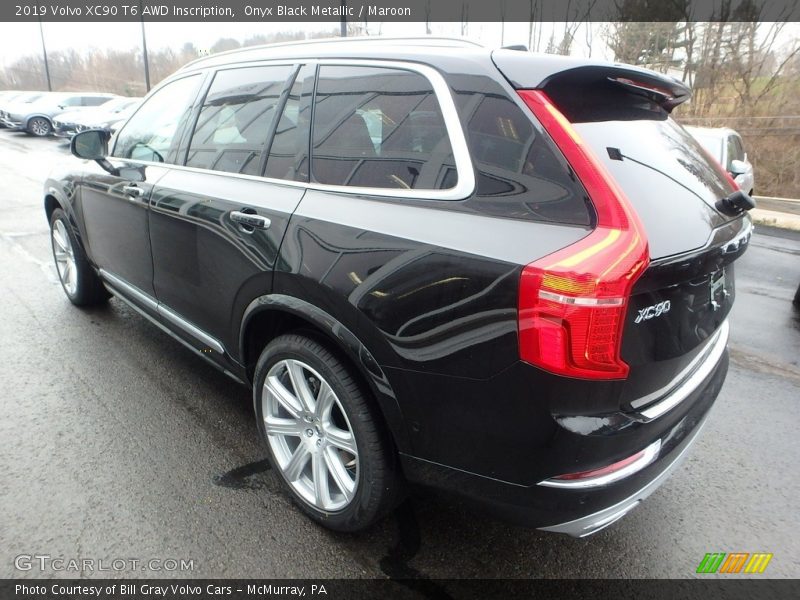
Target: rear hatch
[[678, 306]]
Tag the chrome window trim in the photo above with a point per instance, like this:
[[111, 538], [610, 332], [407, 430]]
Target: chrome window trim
[[689, 385], [163, 310], [465, 185]]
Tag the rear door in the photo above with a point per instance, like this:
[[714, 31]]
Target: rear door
[[216, 224]]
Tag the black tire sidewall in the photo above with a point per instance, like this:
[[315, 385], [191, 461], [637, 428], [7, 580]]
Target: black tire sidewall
[[374, 471]]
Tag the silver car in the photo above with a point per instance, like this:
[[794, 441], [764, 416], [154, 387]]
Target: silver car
[[727, 147], [36, 118], [108, 116]]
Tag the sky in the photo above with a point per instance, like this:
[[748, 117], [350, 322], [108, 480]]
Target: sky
[[18, 39]]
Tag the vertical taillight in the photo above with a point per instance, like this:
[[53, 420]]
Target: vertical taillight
[[572, 303]]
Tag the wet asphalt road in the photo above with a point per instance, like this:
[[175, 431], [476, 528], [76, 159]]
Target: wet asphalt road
[[120, 443]]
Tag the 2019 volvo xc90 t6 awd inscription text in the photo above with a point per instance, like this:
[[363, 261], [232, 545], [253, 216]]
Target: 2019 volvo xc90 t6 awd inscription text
[[497, 273]]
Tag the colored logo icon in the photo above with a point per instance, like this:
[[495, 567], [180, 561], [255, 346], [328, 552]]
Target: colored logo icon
[[734, 562]]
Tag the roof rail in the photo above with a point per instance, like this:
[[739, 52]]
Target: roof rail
[[341, 40]]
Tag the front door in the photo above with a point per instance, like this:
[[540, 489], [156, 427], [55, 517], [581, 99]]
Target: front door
[[115, 206]]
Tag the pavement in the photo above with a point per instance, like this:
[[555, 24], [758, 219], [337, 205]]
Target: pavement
[[120, 443], [777, 212]]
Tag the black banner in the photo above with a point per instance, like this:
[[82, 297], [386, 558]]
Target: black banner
[[275, 11], [336, 589]]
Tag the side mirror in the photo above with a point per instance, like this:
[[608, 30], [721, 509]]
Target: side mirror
[[738, 167], [90, 145], [93, 145]]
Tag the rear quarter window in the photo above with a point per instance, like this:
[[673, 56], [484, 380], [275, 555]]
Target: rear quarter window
[[520, 174]]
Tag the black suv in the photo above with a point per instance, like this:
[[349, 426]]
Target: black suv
[[497, 273]]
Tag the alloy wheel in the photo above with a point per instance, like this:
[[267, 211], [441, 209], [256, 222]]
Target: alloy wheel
[[65, 258], [310, 435], [40, 127]]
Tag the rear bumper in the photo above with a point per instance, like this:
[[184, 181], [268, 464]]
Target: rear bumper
[[601, 519], [582, 511]]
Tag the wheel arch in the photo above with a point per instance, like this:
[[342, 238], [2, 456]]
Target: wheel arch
[[271, 315], [27, 120], [51, 203]]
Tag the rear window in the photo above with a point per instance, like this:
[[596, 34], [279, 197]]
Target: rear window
[[711, 143], [663, 170]]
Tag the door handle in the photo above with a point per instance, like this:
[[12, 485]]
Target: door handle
[[132, 191], [249, 220]]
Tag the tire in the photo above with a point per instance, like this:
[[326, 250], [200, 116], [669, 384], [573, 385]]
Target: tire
[[78, 280], [325, 441], [40, 127]]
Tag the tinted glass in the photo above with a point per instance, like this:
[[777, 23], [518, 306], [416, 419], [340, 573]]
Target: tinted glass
[[236, 119], [517, 164], [666, 174], [95, 100], [150, 135], [288, 153], [379, 128]]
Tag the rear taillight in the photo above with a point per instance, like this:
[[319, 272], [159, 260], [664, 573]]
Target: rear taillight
[[572, 303]]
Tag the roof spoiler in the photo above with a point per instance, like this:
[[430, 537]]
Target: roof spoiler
[[536, 71]]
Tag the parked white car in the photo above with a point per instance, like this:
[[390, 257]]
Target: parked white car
[[726, 146]]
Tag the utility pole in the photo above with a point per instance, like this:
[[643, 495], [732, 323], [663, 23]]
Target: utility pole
[[144, 52], [44, 52], [343, 20]]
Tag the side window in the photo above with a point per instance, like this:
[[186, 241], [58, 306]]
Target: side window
[[150, 133], [236, 119], [379, 128], [95, 100], [288, 153], [518, 170], [74, 101]]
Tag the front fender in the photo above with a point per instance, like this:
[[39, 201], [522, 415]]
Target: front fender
[[60, 191]]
